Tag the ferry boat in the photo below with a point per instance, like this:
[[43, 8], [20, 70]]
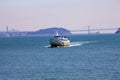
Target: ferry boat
[[58, 40]]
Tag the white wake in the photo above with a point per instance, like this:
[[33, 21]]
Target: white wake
[[72, 44]]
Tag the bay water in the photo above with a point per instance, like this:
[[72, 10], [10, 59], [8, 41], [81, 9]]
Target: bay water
[[89, 57]]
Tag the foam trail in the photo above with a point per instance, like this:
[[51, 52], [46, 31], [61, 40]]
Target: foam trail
[[75, 44], [81, 43], [48, 46]]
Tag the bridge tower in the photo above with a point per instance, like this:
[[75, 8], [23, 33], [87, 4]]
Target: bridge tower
[[88, 29]]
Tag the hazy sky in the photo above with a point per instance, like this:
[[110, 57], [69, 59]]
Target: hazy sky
[[70, 14]]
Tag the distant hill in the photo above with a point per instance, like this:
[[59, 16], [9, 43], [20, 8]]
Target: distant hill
[[52, 31], [118, 31], [41, 32]]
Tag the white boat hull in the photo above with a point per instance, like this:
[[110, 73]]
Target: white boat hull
[[59, 43]]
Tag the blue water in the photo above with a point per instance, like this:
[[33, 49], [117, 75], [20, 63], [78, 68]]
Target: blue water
[[90, 57]]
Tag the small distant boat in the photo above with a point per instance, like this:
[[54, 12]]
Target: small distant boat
[[58, 40], [118, 31]]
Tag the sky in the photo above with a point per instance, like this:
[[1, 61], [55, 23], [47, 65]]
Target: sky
[[32, 15]]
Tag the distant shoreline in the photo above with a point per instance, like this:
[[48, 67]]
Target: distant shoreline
[[49, 32]]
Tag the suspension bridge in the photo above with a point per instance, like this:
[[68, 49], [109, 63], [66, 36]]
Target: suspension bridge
[[89, 30]]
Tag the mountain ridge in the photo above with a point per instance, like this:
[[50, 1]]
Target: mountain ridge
[[52, 31]]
